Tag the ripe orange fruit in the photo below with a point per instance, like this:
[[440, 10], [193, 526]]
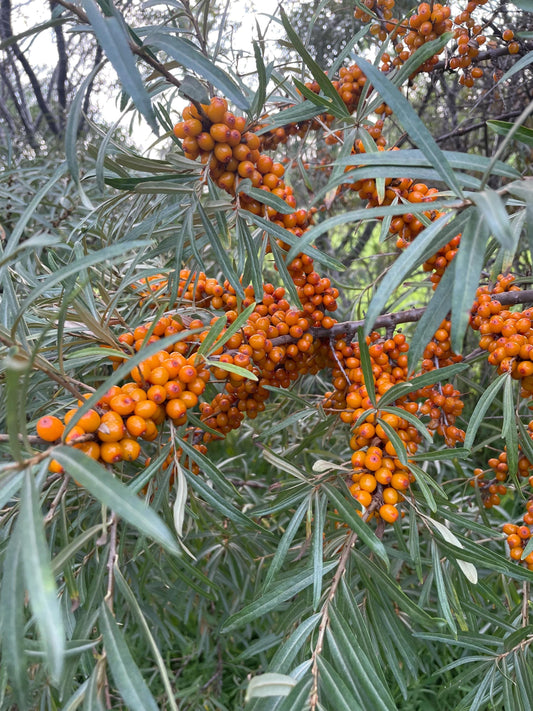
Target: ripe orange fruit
[[50, 428]]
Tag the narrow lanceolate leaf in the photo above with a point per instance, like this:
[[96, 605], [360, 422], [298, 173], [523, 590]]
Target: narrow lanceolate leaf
[[335, 694], [178, 510], [276, 596], [39, 578], [441, 588], [483, 404], [524, 135], [220, 251], [320, 505], [136, 610], [297, 700], [410, 121], [509, 429], [286, 653], [348, 512], [338, 107], [12, 619], [371, 686], [366, 366], [118, 497], [125, 672], [424, 246], [436, 310], [112, 36], [269, 684], [468, 264], [190, 56], [493, 212], [286, 541]]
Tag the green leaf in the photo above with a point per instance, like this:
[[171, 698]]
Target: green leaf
[[438, 375], [435, 312], [441, 589], [375, 692], [320, 507], [126, 674], [275, 597], [338, 107], [66, 553], [269, 684], [482, 405], [428, 242], [492, 209], [286, 653], [12, 619], [288, 237], [220, 252], [348, 512], [298, 699], [219, 503], [114, 40], [232, 368], [411, 122], [260, 95], [522, 63], [187, 54], [524, 135], [39, 578], [136, 610], [468, 265], [111, 492], [366, 366], [285, 542], [334, 689], [265, 198], [509, 429]]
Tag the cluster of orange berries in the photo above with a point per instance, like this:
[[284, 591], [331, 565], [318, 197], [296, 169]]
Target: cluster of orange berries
[[233, 154], [379, 477], [491, 490], [518, 537], [428, 22], [506, 335]]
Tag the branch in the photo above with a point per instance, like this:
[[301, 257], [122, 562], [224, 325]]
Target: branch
[[62, 67], [135, 48], [508, 298], [6, 32]]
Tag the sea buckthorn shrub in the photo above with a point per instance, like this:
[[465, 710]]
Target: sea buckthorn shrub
[[268, 431]]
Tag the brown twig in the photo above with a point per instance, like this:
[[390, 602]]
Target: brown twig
[[57, 498], [508, 298]]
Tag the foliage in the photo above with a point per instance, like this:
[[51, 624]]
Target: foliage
[[231, 566]]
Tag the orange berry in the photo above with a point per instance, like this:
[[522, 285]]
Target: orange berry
[[388, 513], [187, 373], [390, 495], [130, 449], [367, 482], [175, 408], [136, 425], [90, 421], [75, 433], [122, 404], [50, 428], [111, 452], [364, 498]]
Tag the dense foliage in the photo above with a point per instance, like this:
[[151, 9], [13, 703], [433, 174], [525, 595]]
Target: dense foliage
[[266, 428]]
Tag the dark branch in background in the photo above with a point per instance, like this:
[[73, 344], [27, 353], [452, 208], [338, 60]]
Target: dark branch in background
[[20, 107], [62, 69], [6, 32], [86, 101]]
